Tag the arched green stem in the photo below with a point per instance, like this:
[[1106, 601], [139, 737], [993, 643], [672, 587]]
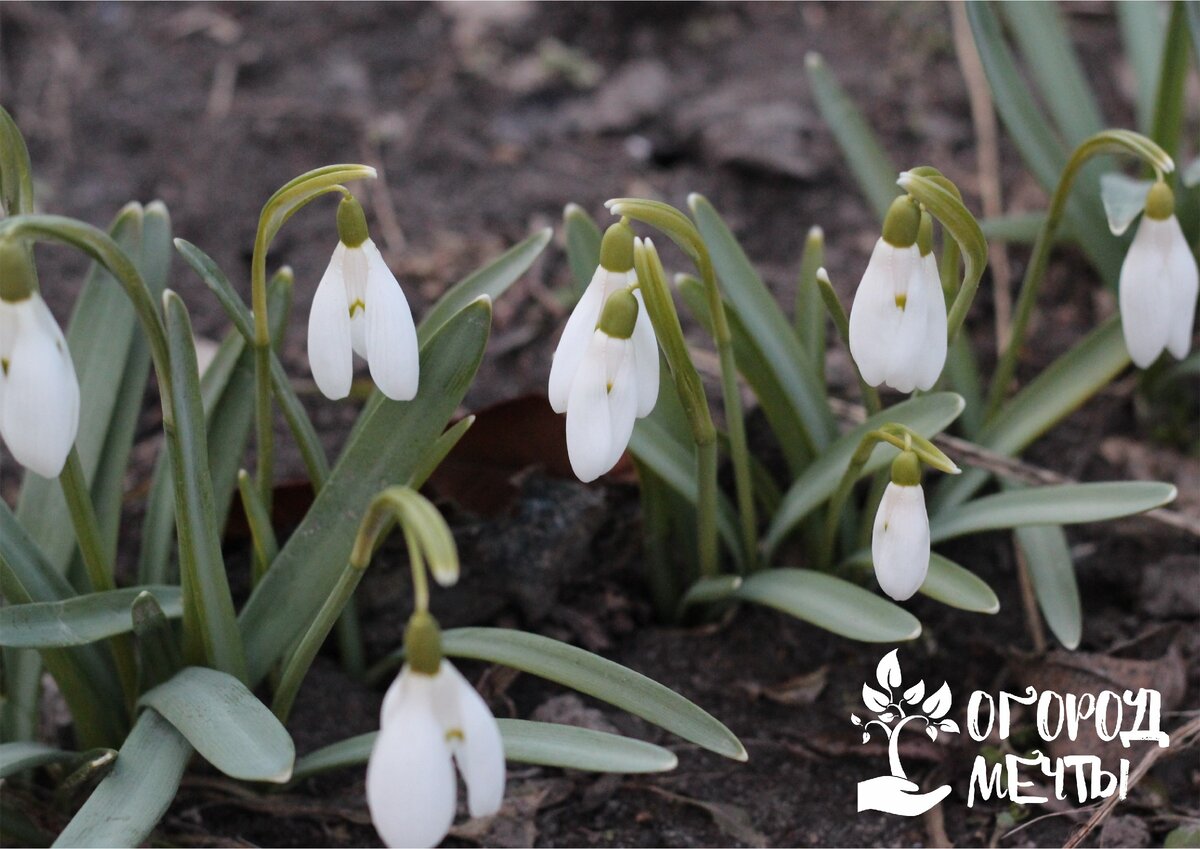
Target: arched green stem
[[1107, 142], [278, 209], [680, 229], [430, 546], [691, 396]]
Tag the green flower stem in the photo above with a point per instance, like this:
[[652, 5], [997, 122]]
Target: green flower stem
[[680, 229], [842, 324], [691, 396], [1107, 142], [430, 545]]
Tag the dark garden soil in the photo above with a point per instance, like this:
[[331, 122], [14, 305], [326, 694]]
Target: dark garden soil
[[485, 120]]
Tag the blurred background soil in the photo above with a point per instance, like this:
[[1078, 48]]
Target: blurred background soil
[[484, 120]]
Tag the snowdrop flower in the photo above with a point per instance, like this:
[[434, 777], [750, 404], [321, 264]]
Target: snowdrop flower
[[431, 719], [898, 320], [900, 541], [605, 370], [359, 308], [39, 393], [1158, 284]]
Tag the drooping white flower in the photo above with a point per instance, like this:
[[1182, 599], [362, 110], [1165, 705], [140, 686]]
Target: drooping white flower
[[428, 724], [898, 319], [605, 378], [39, 392], [1158, 284], [359, 308], [900, 540]]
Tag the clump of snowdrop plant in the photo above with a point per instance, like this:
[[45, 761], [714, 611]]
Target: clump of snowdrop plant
[[1158, 284], [166, 666]]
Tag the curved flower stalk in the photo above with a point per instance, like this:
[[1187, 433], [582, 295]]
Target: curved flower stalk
[[359, 308], [39, 391], [605, 370], [898, 319], [1158, 284]]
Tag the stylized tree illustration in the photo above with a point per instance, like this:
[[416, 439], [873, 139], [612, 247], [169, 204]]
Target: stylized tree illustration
[[891, 709]]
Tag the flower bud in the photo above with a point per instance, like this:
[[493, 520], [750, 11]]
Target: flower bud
[[902, 223], [351, 222], [1160, 202], [616, 248], [423, 643], [906, 469]]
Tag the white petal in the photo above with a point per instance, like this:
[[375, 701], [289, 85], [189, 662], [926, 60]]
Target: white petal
[[408, 685], [40, 415], [645, 350], [622, 399], [1143, 293], [574, 342], [479, 750], [589, 426], [933, 354], [1184, 285], [910, 341], [391, 335], [411, 790], [900, 542], [329, 352], [874, 316], [355, 274]]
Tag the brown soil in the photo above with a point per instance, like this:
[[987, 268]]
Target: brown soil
[[486, 120]]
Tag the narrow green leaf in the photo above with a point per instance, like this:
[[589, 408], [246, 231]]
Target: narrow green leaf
[[1020, 228], [387, 447], [765, 324], [808, 315], [157, 651], [955, 586], [79, 620], [709, 590], [1046, 400], [438, 452], [225, 723], [1143, 26], [19, 757], [831, 603], [927, 415], [1064, 504], [1167, 125], [129, 802], [583, 246], [868, 161], [262, 534], [594, 676], [1053, 577], [209, 626]]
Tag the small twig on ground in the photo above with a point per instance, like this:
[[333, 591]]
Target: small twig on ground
[[1029, 604]]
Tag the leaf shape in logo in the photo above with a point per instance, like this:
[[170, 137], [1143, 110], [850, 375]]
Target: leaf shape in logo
[[866, 736], [949, 726], [874, 699], [938, 705], [854, 718], [887, 717], [931, 731], [888, 671], [915, 693]]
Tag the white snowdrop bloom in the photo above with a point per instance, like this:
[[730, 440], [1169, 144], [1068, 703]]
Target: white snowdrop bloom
[[900, 541], [898, 319], [429, 723], [39, 392], [605, 370], [359, 308], [1158, 284]]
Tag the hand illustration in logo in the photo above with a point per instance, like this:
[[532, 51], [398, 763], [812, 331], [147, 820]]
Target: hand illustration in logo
[[894, 793]]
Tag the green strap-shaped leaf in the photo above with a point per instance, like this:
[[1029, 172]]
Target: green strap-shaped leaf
[[1142, 28], [19, 757], [831, 603], [955, 586], [79, 620], [927, 416], [709, 590], [225, 723], [583, 246], [210, 633], [1064, 504], [387, 447], [1169, 102], [1053, 577], [594, 676], [538, 743], [129, 802], [765, 324]]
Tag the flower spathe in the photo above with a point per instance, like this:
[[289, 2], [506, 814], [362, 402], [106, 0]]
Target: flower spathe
[[39, 392], [604, 383], [1158, 286], [900, 541], [359, 308], [428, 724]]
